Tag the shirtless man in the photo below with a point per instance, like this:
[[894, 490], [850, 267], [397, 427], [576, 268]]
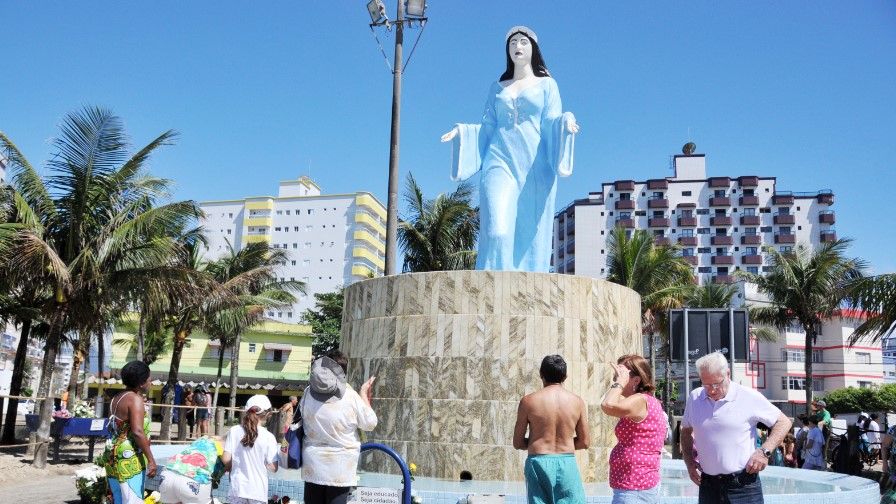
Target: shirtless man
[[557, 423]]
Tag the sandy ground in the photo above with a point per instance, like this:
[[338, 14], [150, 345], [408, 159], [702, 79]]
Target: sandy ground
[[20, 482]]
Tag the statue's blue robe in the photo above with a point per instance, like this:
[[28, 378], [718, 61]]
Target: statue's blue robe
[[519, 149]]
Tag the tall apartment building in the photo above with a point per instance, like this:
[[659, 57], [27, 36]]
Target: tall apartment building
[[333, 240], [721, 222]]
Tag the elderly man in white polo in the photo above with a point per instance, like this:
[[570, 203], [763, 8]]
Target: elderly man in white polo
[[720, 418]]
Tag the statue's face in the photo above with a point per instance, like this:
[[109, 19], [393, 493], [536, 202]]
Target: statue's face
[[520, 49]]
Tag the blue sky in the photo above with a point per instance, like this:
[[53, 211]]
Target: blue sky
[[266, 91]]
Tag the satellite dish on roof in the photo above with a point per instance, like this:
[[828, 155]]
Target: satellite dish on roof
[[689, 148]]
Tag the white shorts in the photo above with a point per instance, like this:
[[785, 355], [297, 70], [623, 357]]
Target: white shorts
[[177, 488]]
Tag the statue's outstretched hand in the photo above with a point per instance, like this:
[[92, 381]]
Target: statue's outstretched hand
[[572, 126], [447, 137]]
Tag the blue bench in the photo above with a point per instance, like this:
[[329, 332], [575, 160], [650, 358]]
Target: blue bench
[[91, 428]]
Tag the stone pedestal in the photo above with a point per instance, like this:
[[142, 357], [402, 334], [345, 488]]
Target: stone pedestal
[[455, 351]]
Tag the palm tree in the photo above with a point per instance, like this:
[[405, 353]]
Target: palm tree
[[806, 287], [877, 295], [250, 275], [157, 342], [438, 234], [660, 275], [711, 295], [89, 228]]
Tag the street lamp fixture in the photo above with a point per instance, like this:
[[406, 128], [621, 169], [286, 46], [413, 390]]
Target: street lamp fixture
[[416, 10]]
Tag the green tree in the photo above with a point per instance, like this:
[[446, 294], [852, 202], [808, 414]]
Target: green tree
[[877, 295], [660, 275], [250, 275], [438, 234], [88, 229], [325, 320], [806, 287], [711, 295]]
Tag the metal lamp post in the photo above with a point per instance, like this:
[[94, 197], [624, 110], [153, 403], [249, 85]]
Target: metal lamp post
[[408, 12]]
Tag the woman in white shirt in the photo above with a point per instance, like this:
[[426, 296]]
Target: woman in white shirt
[[250, 451], [332, 412]]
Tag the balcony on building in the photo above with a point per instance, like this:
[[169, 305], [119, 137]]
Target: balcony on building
[[720, 220], [561, 251], [718, 201], [692, 259], [749, 220], [625, 222], [571, 247], [785, 238], [748, 181], [749, 201], [658, 222], [722, 240], [690, 241], [687, 221], [625, 204], [719, 181], [785, 219], [828, 236], [750, 239], [782, 198], [571, 266], [826, 217], [826, 197], [657, 202], [723, 259], [661, 240], [751, 259], [658, 184], [624, 185], [570, 227], [722, 279]]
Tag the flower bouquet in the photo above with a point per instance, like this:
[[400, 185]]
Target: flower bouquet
[[82, 409], [91, 484]]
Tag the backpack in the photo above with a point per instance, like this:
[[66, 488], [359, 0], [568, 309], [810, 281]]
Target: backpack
[[200, 399]]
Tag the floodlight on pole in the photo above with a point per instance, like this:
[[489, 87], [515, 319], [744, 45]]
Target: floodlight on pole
[[416, 11]]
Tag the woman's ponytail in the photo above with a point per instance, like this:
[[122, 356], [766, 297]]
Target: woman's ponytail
[[250, 426]]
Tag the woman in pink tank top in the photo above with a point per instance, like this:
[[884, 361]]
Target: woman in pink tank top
[[641, 431]]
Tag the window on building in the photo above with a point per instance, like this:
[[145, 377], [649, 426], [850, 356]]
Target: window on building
[[278, 355], [720, 212], [625, 196], [658, 195], [702, 230], [784, 210], [766, 229], [748, 211], [230, 215], [703, 250], [287, 212], [863, 357], [719, 193], [293, 263], [296, 229], [687, 252], [625, 215], [753, 269], [799, 383], [276, 229], [784, 230], [686, 212], [229, 230], [750, 231], [749, 192], [704, 269], [799, 355], [721, 232], [310, 211], [279, 212], [687, 232], [702, 211], [640, 213], [251, 347], [751, 250], [765, 210], [864, 384], [685, 193]]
